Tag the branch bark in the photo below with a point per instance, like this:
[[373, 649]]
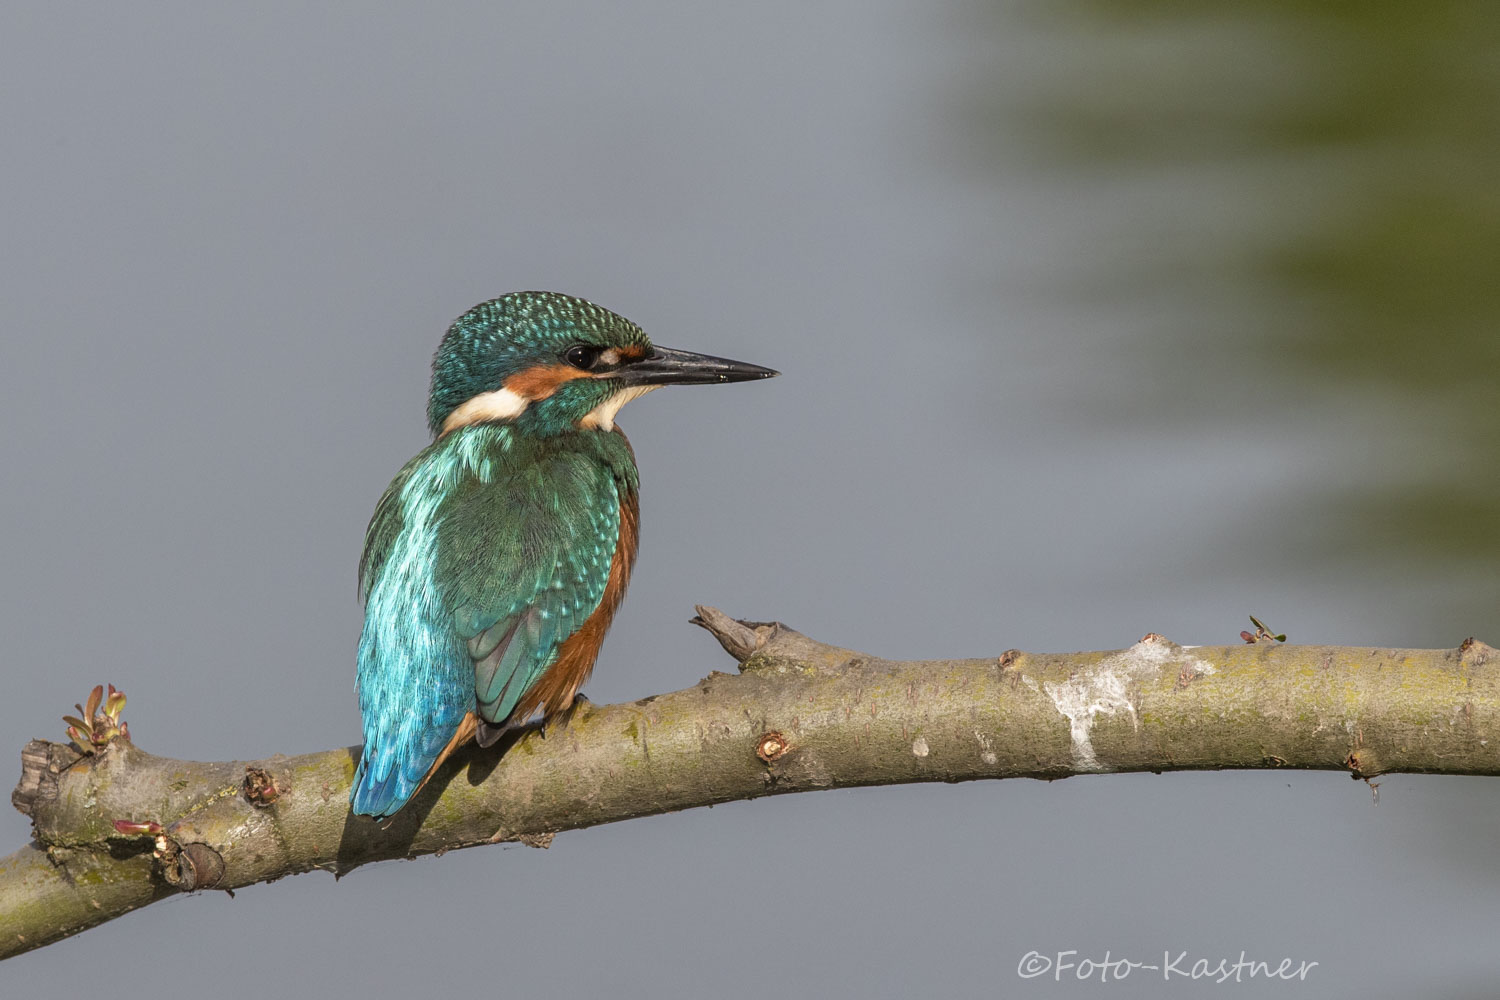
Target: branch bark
[[121, 828]]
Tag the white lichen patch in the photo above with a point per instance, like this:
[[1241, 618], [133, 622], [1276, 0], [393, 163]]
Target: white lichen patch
[[986, 749], [1105, 689], [919, 747]]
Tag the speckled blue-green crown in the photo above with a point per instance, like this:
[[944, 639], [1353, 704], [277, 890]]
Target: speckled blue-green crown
[[500, 337]]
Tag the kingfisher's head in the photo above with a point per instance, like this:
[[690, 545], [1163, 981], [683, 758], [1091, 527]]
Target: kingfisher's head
[[550, 363]]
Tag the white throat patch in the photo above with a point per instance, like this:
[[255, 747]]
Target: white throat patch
[[602, 417]]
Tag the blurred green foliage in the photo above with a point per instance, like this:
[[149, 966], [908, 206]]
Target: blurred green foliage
[[1332, 172]]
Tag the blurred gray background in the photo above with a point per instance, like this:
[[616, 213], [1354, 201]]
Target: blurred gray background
[[1095, 318]]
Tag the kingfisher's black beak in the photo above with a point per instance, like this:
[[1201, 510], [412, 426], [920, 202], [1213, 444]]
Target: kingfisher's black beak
[[664, 366]]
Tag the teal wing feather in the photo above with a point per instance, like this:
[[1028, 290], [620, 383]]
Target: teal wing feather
[[524, 566], [483, 556], [382, 531], [413, 690]]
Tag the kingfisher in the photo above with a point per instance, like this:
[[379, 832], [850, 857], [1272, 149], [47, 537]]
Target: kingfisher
[[496, 559]]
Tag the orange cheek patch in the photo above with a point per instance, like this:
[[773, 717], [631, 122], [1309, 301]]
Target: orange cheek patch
[[542, 381]]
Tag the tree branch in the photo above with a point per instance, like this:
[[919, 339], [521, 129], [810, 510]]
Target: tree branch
[[121, 828]]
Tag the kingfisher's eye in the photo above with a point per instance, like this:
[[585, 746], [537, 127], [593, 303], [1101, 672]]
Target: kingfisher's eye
[[582, 356]]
